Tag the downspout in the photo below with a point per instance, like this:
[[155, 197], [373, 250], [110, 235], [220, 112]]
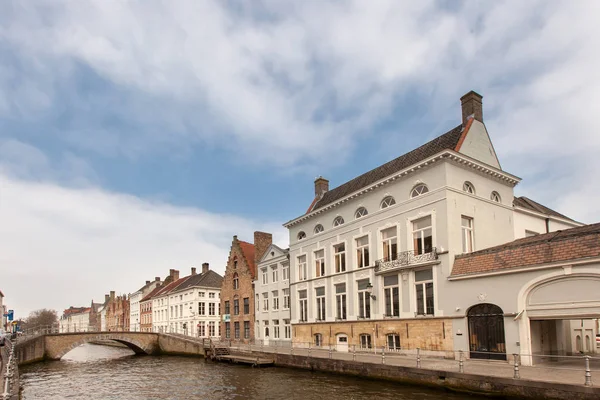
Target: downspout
[[547, 225]]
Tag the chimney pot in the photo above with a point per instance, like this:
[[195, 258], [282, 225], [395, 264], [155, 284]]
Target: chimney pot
[[147, 282], [193, 270], [471, 105], [112, 294], [106, 298], [175, 275], [157, 278], [321, 186], [205, 268]]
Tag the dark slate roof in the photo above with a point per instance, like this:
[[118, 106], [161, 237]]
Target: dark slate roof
[[448, 140], [153, 293], [567, 245], [206, 279], [529, 204]]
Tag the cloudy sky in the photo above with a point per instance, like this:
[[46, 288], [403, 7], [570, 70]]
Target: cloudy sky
[[140, 136]]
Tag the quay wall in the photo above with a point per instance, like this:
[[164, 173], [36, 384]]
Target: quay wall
[[175, 345], [436, 378]]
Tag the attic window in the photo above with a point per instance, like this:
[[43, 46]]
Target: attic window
[[235, 263], [319, 228], [495, 196], [338, 221], [468, 187], [418, 190], [387, 202], [301, 235], [361, 212]]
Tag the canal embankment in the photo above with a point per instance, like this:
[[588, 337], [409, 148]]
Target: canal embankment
[[9, 371]]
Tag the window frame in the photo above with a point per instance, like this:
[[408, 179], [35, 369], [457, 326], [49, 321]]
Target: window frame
[[422, 238], [318, 229], [301, 235], [422, 309], [320, 266], [469, 188], [495, 197], [341, 304], [391, 298], [467, 234], [320, 303], [418, 190], [387, 202], [338, 221], [339, 257], [302, 267], [363, 253], [360, 210], [365, 341]]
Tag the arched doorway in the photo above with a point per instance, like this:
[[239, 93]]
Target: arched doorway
[[486, 332]]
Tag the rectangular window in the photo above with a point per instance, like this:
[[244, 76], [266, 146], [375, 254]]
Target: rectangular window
[[275, 294], [320, 263], [265, 276], [286, 299], [320, 294], [424, 291], [211, 328], [467, 234], [389, 238], [391, 293], [236, 330], [211, 295], [303, 305], [365, 341], [236, 307], [246, 305], [227, 307], [202, 329], [364, 300], [200, 294], [422, 236], [302, 268], [362, 252], [340, 301], [201, 308], [285, 272], [287, 328], [276, 328], [339, 256], [246, 329], [227, 330], [181, 310], [211, 308], [393, 341], [265, 301], [274, 273]]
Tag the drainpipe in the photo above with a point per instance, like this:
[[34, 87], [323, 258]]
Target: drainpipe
[[547, 225]]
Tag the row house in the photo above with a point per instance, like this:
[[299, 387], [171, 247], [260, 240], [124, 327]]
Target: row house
[[75, 319], [272, 298], [160, 302], [371, 260], [134, 303], [146, 309], [117, 313], [237, 289]]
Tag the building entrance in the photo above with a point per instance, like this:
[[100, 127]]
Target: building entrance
[[486, 332]]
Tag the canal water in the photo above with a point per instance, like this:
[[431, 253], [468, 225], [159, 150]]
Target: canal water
[[106, 372]]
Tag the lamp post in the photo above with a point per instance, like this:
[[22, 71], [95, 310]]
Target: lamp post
[[193, 314], [369, 292]]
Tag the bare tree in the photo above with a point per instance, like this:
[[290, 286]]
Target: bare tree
[[41, 318]]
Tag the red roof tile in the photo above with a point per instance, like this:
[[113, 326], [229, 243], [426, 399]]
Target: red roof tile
[[248, 250]]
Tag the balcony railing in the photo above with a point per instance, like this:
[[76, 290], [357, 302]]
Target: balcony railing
[[405, 259]]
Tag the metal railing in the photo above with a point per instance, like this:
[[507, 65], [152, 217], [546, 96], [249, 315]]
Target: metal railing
[[9, 367], [405, 259]]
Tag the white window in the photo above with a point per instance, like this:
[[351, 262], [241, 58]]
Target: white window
[[265, 301], [390, 243], [265, 276], [301, 235], [202, 329], [211, 328], [495, 196], [285, 272], [467, 234], [200, 294], [302, 270], [468, 187], [211, 295], [393, 341], [362, 252], [320, 294], [276, 328], [422, 236], [387, 202], [424, 291], [211, 308], [338, 221], [287, 328], [364, 300], [319, 263], [286, 299], [361, 212], [274, 273], [275, 294], [303, 306], [339, 256], [418, 190], [391, 294], [319, 228], [365, 341], [340, 301], [318, 340]]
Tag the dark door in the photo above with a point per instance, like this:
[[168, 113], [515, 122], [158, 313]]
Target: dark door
[[486, 332]]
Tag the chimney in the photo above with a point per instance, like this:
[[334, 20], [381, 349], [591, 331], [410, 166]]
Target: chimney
[[262, 241], [205, 268], [106, 298], [193, 270], [321, 186], [157, 278], [471, 105], [147, 283], [112, 294], [174, 274]]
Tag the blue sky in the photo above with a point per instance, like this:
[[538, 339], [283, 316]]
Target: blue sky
[[137, 137]]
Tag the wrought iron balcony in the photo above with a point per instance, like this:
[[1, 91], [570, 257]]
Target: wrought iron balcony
[[405, 259]]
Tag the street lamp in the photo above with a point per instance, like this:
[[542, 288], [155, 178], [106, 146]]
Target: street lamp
[[193, 314], [369, 291]]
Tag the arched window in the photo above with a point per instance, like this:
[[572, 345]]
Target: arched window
[[319, 228], [495, 196], [468, 187], [418, 190], [236, 281], [387, 202], [338, 221], [301, 235], [361, 212]]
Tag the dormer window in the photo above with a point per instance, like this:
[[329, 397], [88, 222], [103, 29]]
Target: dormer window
[[319, 228], [468, 187], [495, 197], [361, 212], [387, 202], [418, 190], [338, 221], [301, 235]]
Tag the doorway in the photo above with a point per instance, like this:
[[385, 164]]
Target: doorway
[[341, 341], [486, 332]]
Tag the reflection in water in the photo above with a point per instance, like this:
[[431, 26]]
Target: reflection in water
[[103, 372]]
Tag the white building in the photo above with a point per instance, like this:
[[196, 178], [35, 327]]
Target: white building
[[134, 303], [75, 319], [272, 288], [371, 262]]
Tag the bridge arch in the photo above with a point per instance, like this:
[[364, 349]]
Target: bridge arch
[[59, 345]]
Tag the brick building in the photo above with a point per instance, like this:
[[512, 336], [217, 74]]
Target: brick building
[[146, 309], [237, 290], [117, 313]]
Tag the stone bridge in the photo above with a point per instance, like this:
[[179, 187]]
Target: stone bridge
[[55, 345]]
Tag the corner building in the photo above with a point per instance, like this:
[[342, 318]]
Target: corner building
[[371, 258]]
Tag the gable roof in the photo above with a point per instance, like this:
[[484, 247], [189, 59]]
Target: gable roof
[[248, 252], [527, 203], [567, 245], [152, 293], [272, 247], [449, 140], [168, 288], [206, 279]]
